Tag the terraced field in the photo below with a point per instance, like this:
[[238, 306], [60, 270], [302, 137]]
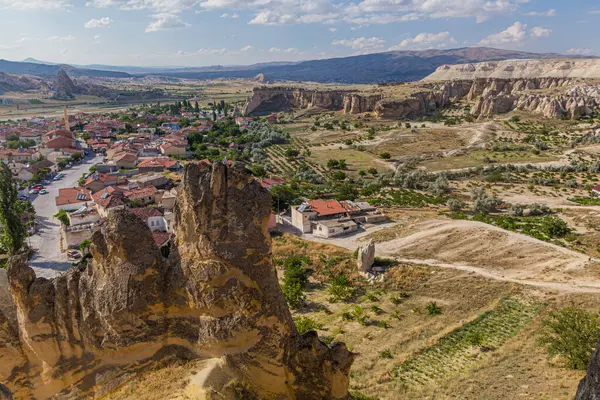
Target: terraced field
[[459, 350]]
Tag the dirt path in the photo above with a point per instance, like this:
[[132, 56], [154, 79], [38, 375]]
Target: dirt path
[[484, 250]]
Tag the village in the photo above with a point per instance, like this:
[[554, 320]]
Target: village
[[76, 171]]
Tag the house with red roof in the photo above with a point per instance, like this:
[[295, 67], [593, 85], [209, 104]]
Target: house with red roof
[[142, 196], [174, 148], [153, 217], [98, 181], [60, 142], [108, 200], [71, 199], [19, 155], [158, 164]]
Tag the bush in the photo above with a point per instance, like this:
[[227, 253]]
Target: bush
[[433, 309], [571, 334], [455, 205], [385, 156], [483, 202], [386, 354], [305, 325], [295, 276], [339, 289]]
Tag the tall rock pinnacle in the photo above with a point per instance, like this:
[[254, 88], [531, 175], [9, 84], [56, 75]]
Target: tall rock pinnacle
[[216, 298]]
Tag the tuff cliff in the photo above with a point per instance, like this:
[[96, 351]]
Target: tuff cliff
[[265, 100], [215, 298], [519, 69]]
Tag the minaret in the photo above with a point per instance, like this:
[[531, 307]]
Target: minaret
[[66, 117]]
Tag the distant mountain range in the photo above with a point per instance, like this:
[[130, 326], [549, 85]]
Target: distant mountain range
[[394, 66]]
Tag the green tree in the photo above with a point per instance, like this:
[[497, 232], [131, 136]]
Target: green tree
[[13, 231], [295, 276], [571, 334], [342, 164], [385, 156], [85, 246], [63, 217]]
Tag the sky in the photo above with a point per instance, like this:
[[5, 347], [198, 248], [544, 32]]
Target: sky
[[240, 32]]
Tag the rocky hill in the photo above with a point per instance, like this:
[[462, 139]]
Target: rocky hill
[[16, 83], [519, 69], [548, 97], [28, 68], [215, 298], [394, 66], [64, 88]]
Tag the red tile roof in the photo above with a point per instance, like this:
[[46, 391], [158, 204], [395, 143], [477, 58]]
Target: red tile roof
[[161, 238], [326, 207], [158, 162], [146, 212], [140, 193], [73, 196], [106, 200]]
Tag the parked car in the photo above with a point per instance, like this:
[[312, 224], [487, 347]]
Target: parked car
[[34, 191], [45, 182], [74, 254], [43, 191], [37, 187]]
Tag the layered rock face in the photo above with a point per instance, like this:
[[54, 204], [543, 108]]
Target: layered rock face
[[265, 100], [519, 69], [215, 298]]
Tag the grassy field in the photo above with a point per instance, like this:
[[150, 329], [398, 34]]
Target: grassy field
[[356, 160]]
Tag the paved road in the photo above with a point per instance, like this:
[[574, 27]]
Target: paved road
[[48, 260]]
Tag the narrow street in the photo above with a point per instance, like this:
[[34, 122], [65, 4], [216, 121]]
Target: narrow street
[[47, 260]]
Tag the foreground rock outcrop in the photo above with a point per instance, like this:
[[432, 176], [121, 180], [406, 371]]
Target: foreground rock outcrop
[[589, 387], [216, 297], [366, 257]]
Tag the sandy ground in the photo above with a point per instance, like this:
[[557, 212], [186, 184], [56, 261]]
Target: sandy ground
[[484, 250]]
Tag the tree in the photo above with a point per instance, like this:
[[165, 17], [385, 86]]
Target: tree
[[571, 334], [13, 231], [63, 217], [342, 164], [85, 246], [333, 164], [385, 156]]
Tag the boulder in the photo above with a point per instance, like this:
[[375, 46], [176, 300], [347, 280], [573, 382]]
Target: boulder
[[5, 394], [366, 257]]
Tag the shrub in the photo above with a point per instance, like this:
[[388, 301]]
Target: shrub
[[433, 309], [383, 324], [339, 289], [295, 276], [455, 205], [305, 324], [386, 354], [440, 186], [571, 334], [377, 310], [484, 202], [385, 156]]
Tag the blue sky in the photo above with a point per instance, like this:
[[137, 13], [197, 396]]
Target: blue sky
[[209, 32]]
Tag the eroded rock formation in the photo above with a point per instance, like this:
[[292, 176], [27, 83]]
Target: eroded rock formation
[[548, 97], [215, 298], [366, 257], [265, 100], [64, 88]]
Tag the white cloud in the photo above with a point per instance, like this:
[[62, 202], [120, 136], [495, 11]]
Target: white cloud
[[580, 52], [246, 48], [426, 41], [362, 44], [515, 34], [98, 23], [232, 16], [269, 17], [158, 6], [35, 4], [166, 21], [539, 32], [550, 13], [332, 29]]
